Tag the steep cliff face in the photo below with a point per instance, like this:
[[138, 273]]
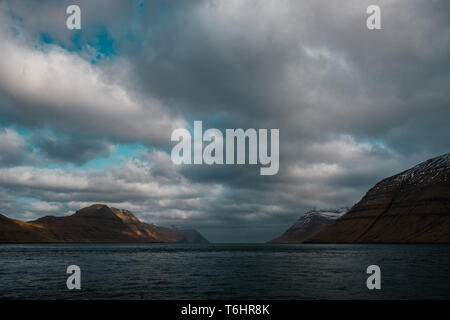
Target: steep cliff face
[[309, 224], [410, 207], [97, 223]]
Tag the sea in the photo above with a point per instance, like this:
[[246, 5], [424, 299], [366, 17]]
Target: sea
[[224, 271]]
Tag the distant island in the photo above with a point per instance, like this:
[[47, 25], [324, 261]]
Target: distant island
[[96, 223], [410, 207]]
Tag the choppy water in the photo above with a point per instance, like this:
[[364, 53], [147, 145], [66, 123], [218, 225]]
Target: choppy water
[[222, 271]]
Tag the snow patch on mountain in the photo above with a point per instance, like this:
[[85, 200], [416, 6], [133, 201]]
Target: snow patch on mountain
[[332, 214]]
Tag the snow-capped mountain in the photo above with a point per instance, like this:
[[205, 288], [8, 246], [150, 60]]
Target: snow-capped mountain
[[309, 224], [431, 171], [410, 207]]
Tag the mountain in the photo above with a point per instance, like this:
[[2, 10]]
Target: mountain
[[410, 207], [309, 224], [97, 223]]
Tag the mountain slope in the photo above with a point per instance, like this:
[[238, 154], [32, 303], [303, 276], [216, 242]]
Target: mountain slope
[[410, 207], [309, 224], [97, 223]]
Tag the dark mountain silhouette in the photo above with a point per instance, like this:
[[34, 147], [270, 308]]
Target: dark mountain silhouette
[[309, 224], [97, 223], [410, 207]]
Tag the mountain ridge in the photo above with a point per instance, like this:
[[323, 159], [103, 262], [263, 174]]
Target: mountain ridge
[[412, 206], [96, 223]]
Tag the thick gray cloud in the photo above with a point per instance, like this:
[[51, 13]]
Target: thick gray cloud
[[73, 149], [12, 148], [353, 106]]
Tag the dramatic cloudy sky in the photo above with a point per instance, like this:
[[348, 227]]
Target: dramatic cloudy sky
[[86, 116]]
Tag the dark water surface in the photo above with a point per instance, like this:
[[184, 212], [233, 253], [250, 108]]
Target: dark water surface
[[224, 271]]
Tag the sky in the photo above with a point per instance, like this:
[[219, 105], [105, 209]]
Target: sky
[[86, 115]]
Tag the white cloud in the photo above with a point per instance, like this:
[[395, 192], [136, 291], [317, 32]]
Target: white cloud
[[45, 207], [57, 88], [316, 171]]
